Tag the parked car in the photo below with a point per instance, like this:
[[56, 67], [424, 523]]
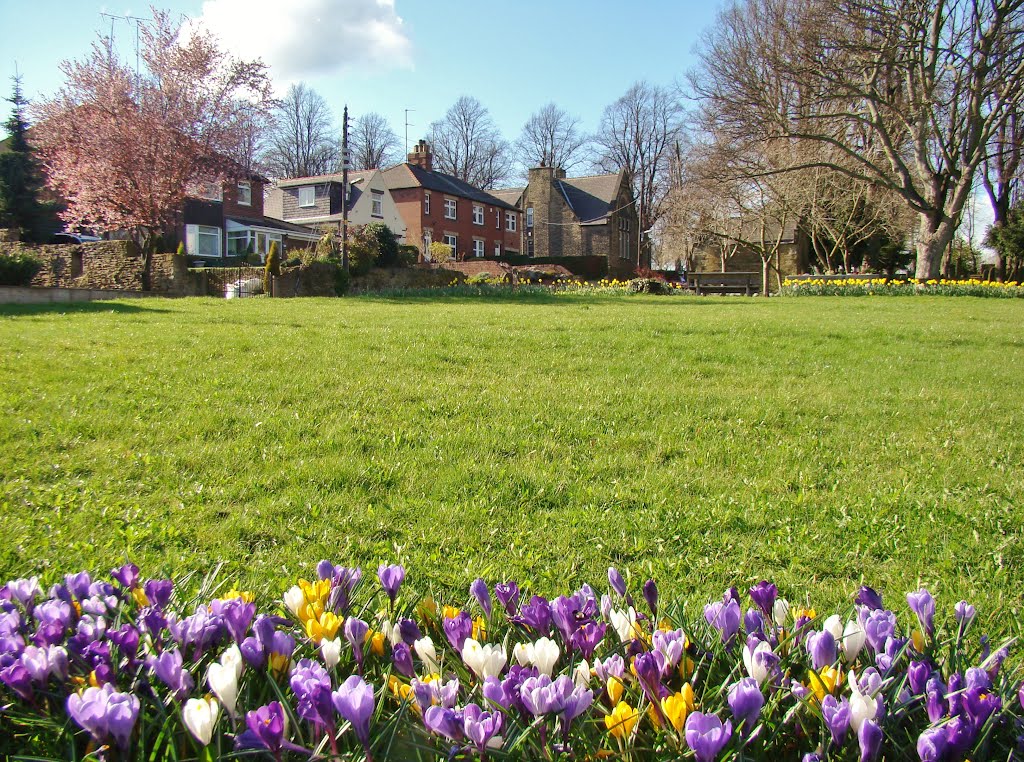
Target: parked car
[[74, 238]]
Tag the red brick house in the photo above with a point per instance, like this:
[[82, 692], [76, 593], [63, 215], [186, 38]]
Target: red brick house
[[226, 219], [439, 207]]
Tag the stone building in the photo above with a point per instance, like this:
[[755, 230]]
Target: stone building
[[579, 216]]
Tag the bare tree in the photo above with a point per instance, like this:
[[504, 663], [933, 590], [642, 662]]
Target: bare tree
[[373, 143], [1001, 175], [904, 94], [551, 138], [637, 134], [303, 142], [468, 145]]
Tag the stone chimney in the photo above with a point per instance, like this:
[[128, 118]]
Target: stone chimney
[[421, 156]]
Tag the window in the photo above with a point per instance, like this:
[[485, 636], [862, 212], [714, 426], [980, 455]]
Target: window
[[202, 241], [245, 194], [209, 191], [307, 196], [529, 247], [497, 248], [377, 203], [478, 248], [497, 219], [624, 252], [426, 204], [238, 243], [453, 242], [510, 221], [529, 216], [449, 209], [478, 214]]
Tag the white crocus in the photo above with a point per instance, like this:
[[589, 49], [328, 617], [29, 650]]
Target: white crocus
[[223, 681], [330, 650], [624, 623], [200, 716], [424, 648], [545, 655], [523, 654], [853, 640], [581, 675], [780, 612], [862, 706], [485, 660], [834, 625], [232, 657], [294, 599], [755, 667]]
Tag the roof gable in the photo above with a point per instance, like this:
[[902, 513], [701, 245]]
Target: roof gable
[[591, 198], [412, 176]]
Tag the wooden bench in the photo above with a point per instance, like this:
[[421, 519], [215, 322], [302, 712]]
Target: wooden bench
[[725, 283]]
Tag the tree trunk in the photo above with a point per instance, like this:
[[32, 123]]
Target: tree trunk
[[765, 268], [933, 238]]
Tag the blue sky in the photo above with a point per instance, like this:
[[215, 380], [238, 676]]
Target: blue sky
[[379, 55]]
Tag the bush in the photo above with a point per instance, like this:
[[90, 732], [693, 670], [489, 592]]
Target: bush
[[363, 250], [408, 255], [440, 252], [387, 244], [588, 268], [273, 267], [649, 286], [342, 281], [19, 268]]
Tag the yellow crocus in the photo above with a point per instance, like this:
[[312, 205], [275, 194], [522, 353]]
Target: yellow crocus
[[677, 706], [140, 597], [622, 720], [917, 638], [279, 663], [402, 691], [479, 629], [615, 689], [247, 596], [376, 643], [825, 681], [324, 627], [450, 612]]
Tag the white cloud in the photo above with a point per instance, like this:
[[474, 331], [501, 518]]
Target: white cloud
[[309, 38]]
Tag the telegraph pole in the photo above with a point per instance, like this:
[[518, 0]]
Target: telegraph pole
[[345, 162]]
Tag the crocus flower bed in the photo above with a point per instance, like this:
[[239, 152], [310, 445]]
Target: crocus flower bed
[[886, 287], [344, 666]]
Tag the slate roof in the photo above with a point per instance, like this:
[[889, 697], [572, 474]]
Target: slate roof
[[354, 176], [509, 195], [413, 176], [591, 198], [274, 224]]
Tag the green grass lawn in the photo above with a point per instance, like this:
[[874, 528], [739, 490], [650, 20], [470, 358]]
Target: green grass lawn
[[819, 442]]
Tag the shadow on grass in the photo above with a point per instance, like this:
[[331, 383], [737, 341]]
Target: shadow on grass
[[549, 298], [123, 307]]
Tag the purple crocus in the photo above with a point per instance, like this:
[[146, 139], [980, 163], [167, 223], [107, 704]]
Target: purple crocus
[[401, 657], [168, 667], [355, 634], [478, 589], [158, 591], [935, 698], [311, 685], [745, 701], [918, 673], [837, 717], [879, 625], [964, 614], [507, 594], [78, 584], [265, 729], [480, 726], [587, 637], [616, 581], [25, 591], [457, 629], [868, 597], [391, 578], [651, 596], [931, 745], [764, 595], [648, 667], [17, 677], [105, 712], [354, 701], [409, 630], [923, 605], [870, 738], [127, 576], [536, 615], [822, 648], [444, 722], [706, 735], [724, 617]]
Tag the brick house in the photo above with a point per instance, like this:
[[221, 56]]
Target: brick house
[[317, 201], [225, 218], [579, 216], [439, 207]]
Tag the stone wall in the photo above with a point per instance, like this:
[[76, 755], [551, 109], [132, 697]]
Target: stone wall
[[315, 279], [113, 265], [421, 276]]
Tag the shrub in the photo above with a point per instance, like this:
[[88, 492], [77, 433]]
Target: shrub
[[327, 248], [440, 252], [387, 244], [363, 249], [273, 267], [649, 286], [19, 268], [648, 273], [408, 255], [342, 281]]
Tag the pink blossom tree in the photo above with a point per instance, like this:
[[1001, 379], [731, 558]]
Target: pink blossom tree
[[122, 146]]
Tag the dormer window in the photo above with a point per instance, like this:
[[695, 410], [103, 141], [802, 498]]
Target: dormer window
[[210, 191], [245, 194], [307, 196]]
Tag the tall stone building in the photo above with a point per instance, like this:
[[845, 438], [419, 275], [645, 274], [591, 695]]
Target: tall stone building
[[579, 216]]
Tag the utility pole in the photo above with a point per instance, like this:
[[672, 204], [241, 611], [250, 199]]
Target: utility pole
[[345, 162], [407, 130]]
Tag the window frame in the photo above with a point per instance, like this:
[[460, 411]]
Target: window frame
[[451, 205], [377, 203], [510, 222], [479, 248], [244, 193], [454, 243], [195, 233], [307, 189], [529, 217], [478, 214], [426, 204]]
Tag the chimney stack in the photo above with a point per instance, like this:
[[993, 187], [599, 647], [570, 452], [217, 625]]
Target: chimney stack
[[421, 156]]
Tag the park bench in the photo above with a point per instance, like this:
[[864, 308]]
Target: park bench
[[725, 283]]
